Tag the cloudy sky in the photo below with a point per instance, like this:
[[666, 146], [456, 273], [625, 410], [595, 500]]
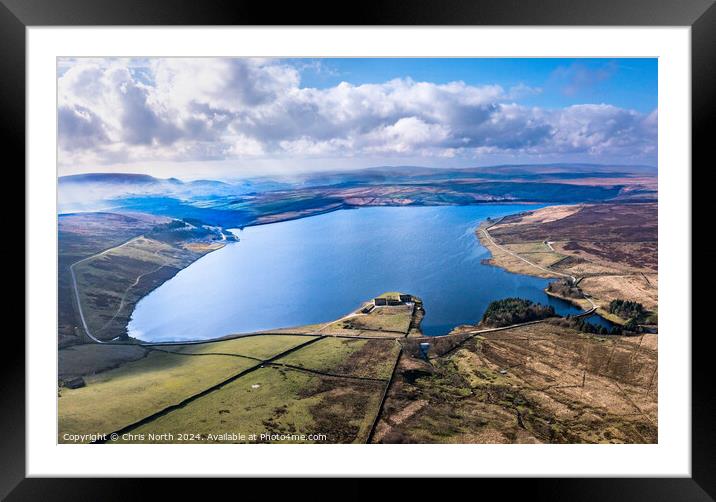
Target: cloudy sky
[[218, 117]]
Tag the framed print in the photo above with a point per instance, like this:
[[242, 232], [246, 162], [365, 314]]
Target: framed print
[[452, 242]]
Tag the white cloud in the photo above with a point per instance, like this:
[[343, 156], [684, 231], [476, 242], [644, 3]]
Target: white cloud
[[183, 109], [406, 135]]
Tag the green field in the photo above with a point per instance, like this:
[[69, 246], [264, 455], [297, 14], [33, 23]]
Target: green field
[[529, 247], [276, 401], [362, 358], [326, 384], [116, 398], [394, 319], [260, 347]]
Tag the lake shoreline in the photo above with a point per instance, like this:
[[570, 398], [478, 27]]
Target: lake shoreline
[[601, 277], [132, 339], [344, 206], [457, 237]]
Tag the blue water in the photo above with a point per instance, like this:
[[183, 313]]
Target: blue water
[[320, 268], [599, 321]]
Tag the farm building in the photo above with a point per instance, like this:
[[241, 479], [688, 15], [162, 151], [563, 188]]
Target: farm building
[[392, 300], [382, 302]]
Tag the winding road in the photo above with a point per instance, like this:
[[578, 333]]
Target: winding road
[[135, 283], [76, 289], [540, 267]]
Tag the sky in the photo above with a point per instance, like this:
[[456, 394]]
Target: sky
[[233, 117]]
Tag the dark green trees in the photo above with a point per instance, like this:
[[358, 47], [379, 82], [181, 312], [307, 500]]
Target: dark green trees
[[514, 311]]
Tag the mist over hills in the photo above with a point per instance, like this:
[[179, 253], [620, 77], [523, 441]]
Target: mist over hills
[[365, 175], [130, 179], [259, 199]]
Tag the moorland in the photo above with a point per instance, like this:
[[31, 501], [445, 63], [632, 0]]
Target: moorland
[[371, 375]]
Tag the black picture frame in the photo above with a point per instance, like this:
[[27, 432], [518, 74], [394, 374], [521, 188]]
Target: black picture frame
[[700, 15]]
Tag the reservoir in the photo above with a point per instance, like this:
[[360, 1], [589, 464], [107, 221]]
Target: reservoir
[[317, 269]]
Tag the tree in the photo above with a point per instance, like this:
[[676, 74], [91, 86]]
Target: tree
[[515, 311], [632, 325], [627, 309]]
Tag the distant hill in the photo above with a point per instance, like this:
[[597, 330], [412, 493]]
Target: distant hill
[[505, 172], [382, 185], [380, 174], [133, 179], [505, 169], [114, 178], [566, 167], [94, 191]]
